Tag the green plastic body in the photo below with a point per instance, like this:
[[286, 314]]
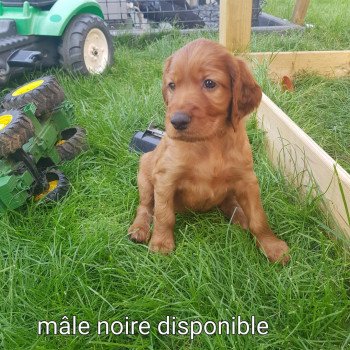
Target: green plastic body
[[16, 189], [34, 21]]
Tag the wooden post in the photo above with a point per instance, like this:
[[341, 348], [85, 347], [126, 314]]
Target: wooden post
[[280, 64], [235, 24], [305, 163], [300, 10]]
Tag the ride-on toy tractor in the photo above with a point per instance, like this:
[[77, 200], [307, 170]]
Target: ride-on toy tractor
[[35, 136], [44, 33]]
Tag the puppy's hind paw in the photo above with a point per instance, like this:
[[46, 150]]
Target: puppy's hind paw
[[276, 251], [138, 234]]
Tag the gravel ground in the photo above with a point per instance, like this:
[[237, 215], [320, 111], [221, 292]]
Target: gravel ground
[[209, 13]]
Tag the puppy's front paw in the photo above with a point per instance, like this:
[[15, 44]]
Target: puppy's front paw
[[139, 233], [276, 250], [164, 246]]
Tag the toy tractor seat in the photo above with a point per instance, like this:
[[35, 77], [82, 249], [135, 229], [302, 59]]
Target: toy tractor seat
[[35, 3]]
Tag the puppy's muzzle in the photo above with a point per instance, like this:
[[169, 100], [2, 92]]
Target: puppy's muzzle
[[180, 120]]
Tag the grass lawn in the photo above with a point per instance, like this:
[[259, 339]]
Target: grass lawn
[[319, 105], [75, 258]]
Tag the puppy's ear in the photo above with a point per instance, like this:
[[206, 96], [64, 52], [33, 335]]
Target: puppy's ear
[[246, 93], [164, 84]]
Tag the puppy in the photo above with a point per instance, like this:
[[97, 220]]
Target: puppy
[[205, 159]]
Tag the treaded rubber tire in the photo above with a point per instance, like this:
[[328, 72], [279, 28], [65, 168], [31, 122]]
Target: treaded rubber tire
[[71, 49], [60, 190], [15, 134], [74, 143], [47, 96]]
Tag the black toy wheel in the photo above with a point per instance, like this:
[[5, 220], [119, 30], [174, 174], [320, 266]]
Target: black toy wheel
[[15, 130], [45, 93], [58, 187], [72, 143], [87, 45]]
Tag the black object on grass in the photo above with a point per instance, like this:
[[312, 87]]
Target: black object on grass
[[146, 141]]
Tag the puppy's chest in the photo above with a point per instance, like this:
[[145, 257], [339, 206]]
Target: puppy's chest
[[204, 185]]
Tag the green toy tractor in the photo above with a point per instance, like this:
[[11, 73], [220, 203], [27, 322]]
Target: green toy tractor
[[44, 33], [35, 136]]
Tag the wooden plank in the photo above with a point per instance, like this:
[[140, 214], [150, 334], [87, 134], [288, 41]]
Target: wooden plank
[[235, 24], [300, 10], [326, 63], [304, 162]]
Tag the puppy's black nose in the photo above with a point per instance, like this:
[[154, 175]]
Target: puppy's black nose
[[180, 120]]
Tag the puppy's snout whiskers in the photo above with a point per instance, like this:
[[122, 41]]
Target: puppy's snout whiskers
[[180, 120]]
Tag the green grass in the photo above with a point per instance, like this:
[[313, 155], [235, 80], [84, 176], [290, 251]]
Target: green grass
[[75, 258], [319, 105], [330, 31]]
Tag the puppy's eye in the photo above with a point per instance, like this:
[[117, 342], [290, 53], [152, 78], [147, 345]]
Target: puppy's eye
[[209, 84], [171, 86]]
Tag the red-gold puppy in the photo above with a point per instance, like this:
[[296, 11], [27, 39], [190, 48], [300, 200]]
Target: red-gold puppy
[[205, 159]]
